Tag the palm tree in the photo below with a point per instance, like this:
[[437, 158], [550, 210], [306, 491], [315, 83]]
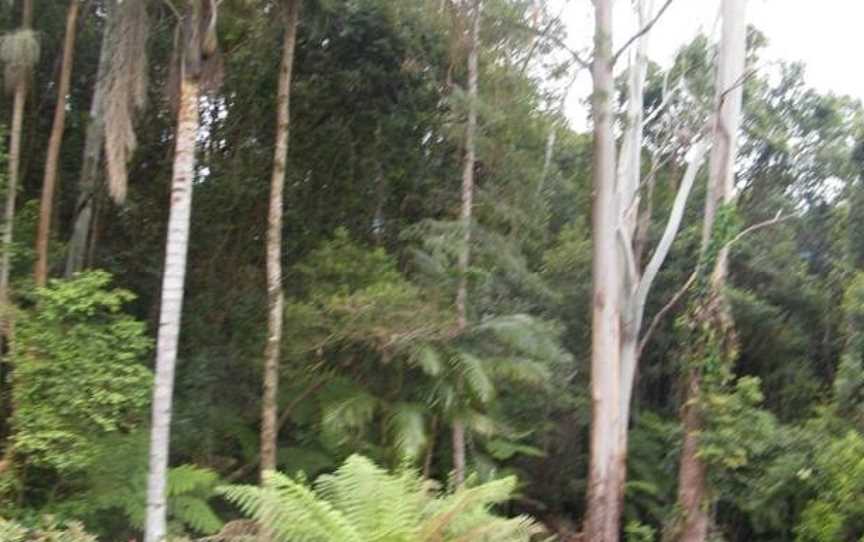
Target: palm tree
[[20, 52], [197, 46], [49, 184], [467, 212], [275, 297], [120, 90]]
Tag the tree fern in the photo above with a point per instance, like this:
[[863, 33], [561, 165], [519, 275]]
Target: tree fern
[[291, 511], [361, 502]]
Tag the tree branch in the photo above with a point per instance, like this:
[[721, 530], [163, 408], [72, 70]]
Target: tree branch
[[672, 225], [173, 8], [644, 30], [557, 41], [777, 219], [655, 322]]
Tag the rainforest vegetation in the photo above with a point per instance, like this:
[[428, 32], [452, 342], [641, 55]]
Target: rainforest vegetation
[[359, 270]]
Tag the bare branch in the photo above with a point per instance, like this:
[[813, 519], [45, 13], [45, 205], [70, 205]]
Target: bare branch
[[541, 33], [173, 8], [673, 224], [655, 322], [777, 219], [739, 82], [644, 30]]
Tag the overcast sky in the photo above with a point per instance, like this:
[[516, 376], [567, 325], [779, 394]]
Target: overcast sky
[[827, 35]]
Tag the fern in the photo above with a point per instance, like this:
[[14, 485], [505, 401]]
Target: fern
[[117, 481], [407, 427], [361, 502]]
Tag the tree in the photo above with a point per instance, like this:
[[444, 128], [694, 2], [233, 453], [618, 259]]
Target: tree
[[621, 286], [20, 53], [467, 219], [119, 90], [46, 207], [715, 313], [275, 295], [197, 47]]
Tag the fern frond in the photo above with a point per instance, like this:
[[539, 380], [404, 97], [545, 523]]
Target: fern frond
[[466, 500], [381, 507], [361, 502], [520, 371], [476, 376], [186, 479], [348, 415], [291, 511], [407, 428], [196, 513], [429, 360]]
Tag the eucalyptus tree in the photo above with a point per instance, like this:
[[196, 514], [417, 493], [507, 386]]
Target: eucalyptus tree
[[197, 51], [275, 295], [716, 314], [621, 285], [49, 183]]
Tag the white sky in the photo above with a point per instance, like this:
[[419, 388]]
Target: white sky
[[827, 35]]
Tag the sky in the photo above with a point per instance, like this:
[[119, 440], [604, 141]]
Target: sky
[[827, 35]]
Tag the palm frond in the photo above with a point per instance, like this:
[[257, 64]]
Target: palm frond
[[476, 376], [407, 427]]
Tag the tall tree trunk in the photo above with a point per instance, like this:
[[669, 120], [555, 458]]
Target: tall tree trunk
[[467, 217], [14, 165], [275, 301], [6, 314], [46, 208], [173, 281], [197, 46], [77, 250], [605, 476], [692, 478]]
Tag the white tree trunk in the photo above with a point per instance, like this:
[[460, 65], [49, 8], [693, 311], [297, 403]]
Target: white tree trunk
[[607, 462], [620, 287], [692, 476], [275, 297], [173, 281], [467, 214]]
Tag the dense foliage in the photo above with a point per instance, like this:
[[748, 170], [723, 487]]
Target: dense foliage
[[375, 368]]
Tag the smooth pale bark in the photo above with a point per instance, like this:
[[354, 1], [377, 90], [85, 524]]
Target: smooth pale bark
[[466, 216], [275, 297], [18, 104], [621, 286], [49, 183], [77, 250], [173, 280], [692, 477], [730, 81], [607, 462]]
